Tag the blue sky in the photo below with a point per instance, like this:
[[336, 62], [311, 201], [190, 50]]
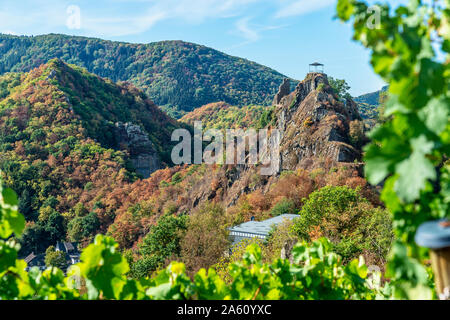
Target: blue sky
[[285, 35]]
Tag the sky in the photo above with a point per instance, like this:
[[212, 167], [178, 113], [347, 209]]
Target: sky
[[286, 35]]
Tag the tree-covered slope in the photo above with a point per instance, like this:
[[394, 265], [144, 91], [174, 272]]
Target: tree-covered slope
[[60, 150], [372, 98], [368, 105], [221, 115], [177, 75]]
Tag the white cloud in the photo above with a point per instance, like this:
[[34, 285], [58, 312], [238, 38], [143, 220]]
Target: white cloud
[[189, 11], [35, 18], [127, 17], [301, 7], [196, 10], [246, 32], [118, 27], [252, 32]]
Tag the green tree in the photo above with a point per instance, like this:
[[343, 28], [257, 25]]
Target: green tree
[[55, 227], [162, 242], [34, 239], [164, 238], [342, 215], [81, 228], [340, 87], [56, 259]]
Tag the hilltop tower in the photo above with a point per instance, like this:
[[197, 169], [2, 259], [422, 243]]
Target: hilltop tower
[[316, 67]]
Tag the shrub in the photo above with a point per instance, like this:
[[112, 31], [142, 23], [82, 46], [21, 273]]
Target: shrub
[[284, 206], [352, 224], [356, 133], [237, 251], [281, 237], [144, 267]]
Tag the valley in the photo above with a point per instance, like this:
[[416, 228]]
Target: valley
[[169, 170]]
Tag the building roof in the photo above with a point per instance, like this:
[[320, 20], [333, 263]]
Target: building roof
[[69, 246], [30, 257], [65, 246], [35, 259], [316, 64], [262, 227]]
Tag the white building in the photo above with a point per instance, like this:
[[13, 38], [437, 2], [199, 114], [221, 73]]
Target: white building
[[257, 229]]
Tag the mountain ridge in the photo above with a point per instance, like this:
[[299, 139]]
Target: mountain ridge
[[179, 76]]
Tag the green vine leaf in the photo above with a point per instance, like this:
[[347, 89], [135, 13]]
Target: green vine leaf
[[415, 171]]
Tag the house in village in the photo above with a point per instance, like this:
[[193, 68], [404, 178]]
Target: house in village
[[35, 260], [38, 260], [70, 248]]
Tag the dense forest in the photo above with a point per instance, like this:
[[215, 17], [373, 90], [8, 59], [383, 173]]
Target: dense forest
[[59, 147], [176, 75], [221, 115], [372, 99]]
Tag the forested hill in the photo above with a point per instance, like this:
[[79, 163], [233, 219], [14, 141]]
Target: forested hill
[[176, 75], [221, 115], [372, 98], [68, 138]]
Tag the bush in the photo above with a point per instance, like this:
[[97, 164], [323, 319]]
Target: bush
[[352, 224], [325, 204], [144, 267], [284, 206], [356, 133], [281, 237], [237, 251]]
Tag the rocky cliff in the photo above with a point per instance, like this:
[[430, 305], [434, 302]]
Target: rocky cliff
[[316, 136], [283, 91], [315, 128], [315, 125], [142, 152]]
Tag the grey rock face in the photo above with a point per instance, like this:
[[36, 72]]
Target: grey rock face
[[143, 155], [283, 91], [315, 125]]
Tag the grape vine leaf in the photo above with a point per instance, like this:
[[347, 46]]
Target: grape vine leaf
[[415, 170]]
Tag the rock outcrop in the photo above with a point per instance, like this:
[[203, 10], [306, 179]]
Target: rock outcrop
[[283, 91], [143, 156], [315, 125]]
